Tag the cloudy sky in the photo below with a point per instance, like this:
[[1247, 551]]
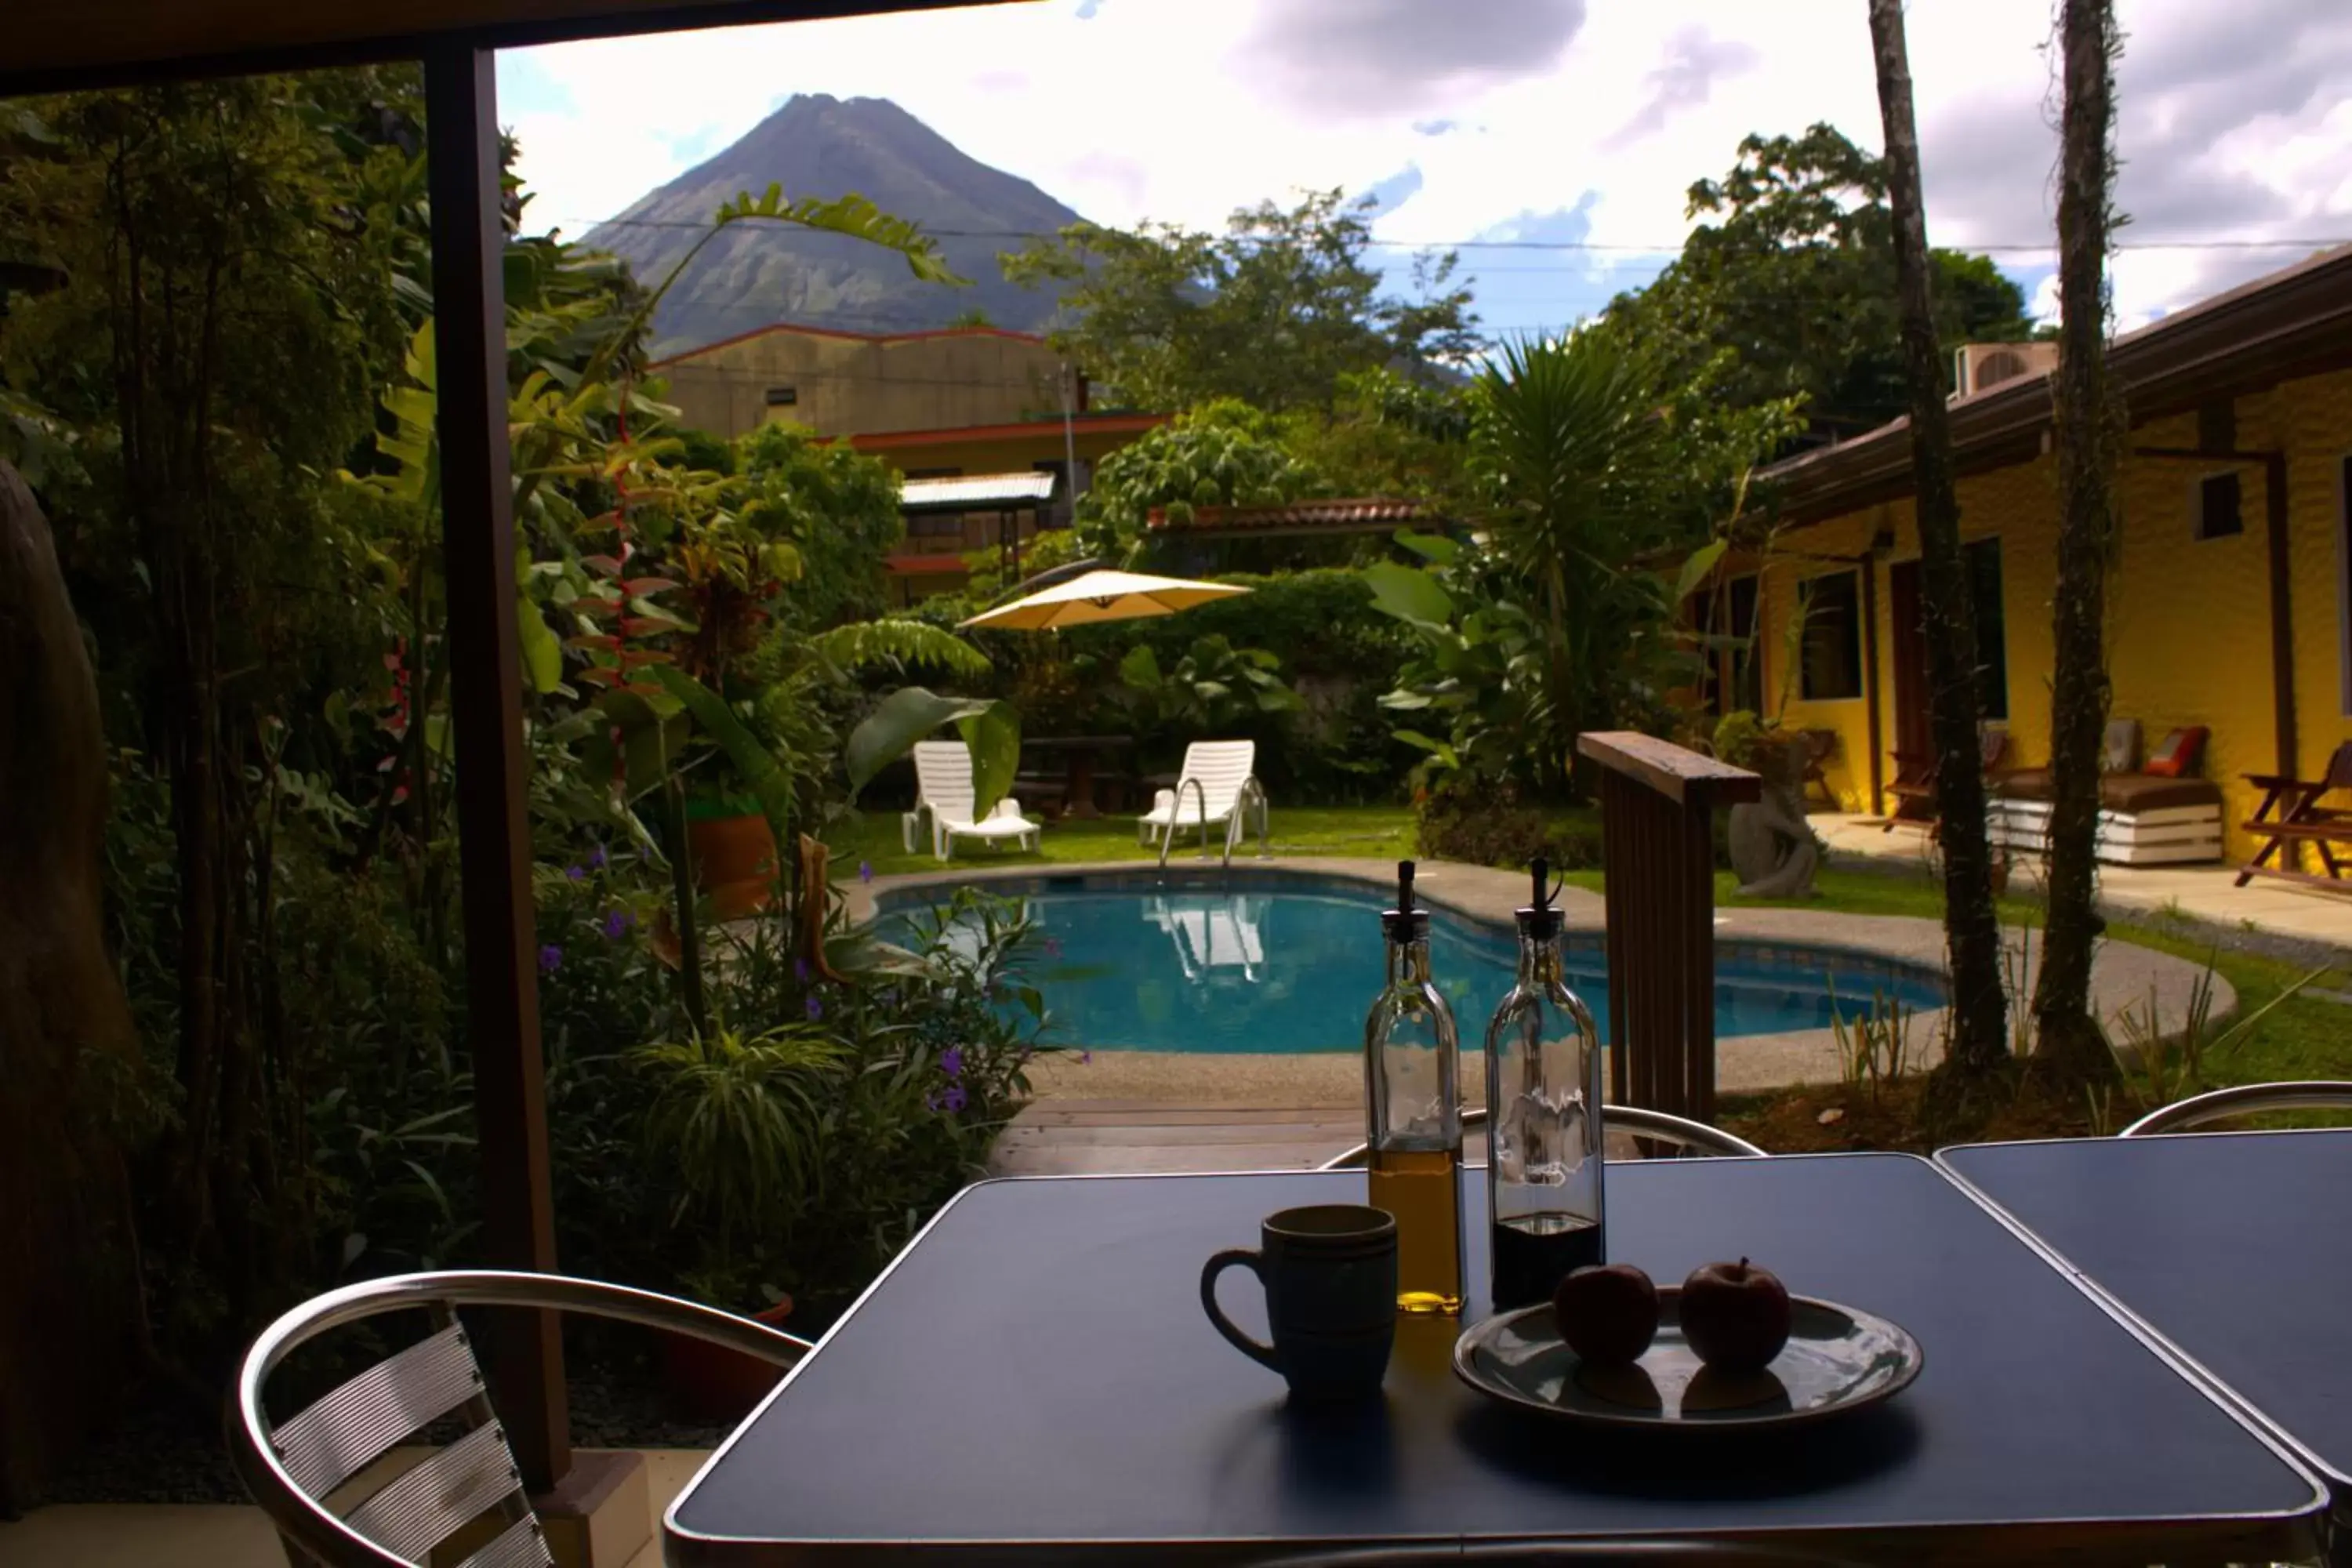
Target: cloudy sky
[[1553, 140]]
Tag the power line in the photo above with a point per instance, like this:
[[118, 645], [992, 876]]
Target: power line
[[2036, 246]]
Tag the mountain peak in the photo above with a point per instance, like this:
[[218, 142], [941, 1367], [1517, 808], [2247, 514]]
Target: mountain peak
[[815, 145]]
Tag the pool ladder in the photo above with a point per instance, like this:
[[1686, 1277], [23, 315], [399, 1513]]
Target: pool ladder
[[1250, 795]]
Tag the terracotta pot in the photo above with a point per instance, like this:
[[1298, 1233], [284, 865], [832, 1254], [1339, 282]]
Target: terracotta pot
[[734, 861], [707, 1383]]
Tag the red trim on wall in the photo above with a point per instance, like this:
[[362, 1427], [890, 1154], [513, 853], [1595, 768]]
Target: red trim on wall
[[1084, 423]]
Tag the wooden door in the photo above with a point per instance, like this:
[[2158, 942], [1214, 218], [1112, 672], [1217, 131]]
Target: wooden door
[[1912, 736]]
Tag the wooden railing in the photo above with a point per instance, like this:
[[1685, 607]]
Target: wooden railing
[[1657, 845]]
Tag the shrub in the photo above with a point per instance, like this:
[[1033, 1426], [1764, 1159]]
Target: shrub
[[1488, 827]]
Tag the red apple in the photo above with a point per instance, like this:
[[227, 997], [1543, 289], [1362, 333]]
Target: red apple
[[1735, 1315], [1607, 1312]]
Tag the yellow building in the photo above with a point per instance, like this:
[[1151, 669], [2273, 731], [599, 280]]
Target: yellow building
[[982, 404], [2228, 602], [859, 383]]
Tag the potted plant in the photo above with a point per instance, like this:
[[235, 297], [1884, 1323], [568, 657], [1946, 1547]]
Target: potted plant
[[734, 1118]]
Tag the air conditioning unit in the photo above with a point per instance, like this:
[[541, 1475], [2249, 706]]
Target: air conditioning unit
[[1978, 366]]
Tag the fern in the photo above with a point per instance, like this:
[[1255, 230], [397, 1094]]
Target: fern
[[899, 642]]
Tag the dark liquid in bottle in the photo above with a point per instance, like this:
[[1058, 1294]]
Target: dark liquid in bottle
[[1534, 1253]]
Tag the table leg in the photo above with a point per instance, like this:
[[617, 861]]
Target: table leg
[[1079, 787]]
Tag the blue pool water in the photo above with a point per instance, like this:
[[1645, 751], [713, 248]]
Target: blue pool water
[[1293, 965]]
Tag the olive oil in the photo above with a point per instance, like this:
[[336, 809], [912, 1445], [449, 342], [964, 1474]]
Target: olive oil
[[1412, 1113], [1422, 1188]]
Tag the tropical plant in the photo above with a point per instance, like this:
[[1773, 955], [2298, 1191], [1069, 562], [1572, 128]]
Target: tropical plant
[[1213, 688], [1223, 453]]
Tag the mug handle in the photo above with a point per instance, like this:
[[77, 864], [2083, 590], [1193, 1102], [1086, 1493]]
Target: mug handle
[[1240, 1340]]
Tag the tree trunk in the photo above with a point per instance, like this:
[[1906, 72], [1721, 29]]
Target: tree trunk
[[69, 1315], [1980, 1029], [2068, 1043]]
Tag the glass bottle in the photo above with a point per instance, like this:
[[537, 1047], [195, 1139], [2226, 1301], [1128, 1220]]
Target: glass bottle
[[1544, 1164], [1413, 1101]]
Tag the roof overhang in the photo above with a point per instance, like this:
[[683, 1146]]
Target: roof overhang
[[1361, 515], [2291, 324], [54, 45], [975, 492]]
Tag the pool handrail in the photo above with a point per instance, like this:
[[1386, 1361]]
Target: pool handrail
[[1176, 820]]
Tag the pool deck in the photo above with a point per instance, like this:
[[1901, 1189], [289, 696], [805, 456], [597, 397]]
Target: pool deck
[[1167, 1109]]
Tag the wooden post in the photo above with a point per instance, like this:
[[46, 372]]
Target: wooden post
[[1658, 808], [524, 1359]]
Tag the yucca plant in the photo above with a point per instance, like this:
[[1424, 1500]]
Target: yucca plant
[[736, 1117]]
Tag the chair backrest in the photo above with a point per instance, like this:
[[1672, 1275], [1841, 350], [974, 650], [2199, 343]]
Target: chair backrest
[[471, 1488], [1657, 1126], [2243, 1100], [943, 780], [1221, 767], [2339, 767]]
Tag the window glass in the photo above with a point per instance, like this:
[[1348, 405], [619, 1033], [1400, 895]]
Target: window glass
[[2219, 513], [1983, 560], [1831, 670]]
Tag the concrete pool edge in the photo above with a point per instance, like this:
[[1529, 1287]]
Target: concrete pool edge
[[2124, 978]]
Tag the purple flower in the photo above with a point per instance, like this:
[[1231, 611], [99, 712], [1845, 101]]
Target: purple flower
[[1086, 1058], [816, 1008], [615, 923], [954, 1099], [865, 870], [576, 872], [952, 1061], [1053, 947], [800, 970], [550, 957], [596, 858]]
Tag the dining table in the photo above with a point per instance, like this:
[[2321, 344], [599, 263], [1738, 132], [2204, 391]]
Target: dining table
[[1032, 1380], [2234, 1249]]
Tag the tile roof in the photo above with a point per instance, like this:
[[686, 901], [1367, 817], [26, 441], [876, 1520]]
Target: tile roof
[[1365, 514]]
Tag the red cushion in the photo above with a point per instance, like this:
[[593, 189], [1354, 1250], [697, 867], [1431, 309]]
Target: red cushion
[[2176, 755]]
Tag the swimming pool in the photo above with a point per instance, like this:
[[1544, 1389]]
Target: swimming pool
[[1267, 963]]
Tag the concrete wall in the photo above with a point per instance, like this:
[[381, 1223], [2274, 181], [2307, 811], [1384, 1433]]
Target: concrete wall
[[847, 383], [2189, 619]]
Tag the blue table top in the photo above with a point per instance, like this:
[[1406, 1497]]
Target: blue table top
[[2235, 1247], [1033, 1379]]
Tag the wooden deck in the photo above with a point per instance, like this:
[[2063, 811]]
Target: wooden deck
[[1109, 1137]]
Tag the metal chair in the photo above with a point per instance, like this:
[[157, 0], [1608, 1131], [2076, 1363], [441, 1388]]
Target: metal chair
[[2245, 1099], [1692, 1137], [290, 1466]]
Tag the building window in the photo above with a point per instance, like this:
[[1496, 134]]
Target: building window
[[784, 396], [1734, 673], [935, 525], [1983, 561], [1830, 666], [2219, 513]]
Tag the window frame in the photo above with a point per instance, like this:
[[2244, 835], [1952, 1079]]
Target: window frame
[[2198, 531], [1991, 541]]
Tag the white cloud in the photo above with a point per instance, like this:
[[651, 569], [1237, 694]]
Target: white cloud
[[2234, 124]]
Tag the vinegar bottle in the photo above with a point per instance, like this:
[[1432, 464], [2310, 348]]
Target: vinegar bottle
[[1413, 1103], [1543, 1121]]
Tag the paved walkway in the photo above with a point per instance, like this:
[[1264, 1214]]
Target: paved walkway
[[2208, 893]]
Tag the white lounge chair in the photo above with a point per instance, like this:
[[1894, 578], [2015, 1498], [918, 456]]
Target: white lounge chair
[[943, 789], [1213, 931], [1216, 775]]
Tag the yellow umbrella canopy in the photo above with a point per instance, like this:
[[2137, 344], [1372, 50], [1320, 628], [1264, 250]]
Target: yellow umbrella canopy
[[1102, 596]]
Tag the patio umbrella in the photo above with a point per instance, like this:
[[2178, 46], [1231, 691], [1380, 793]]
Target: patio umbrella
[[1102, 596]]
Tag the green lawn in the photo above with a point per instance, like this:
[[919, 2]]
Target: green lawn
[[1373, 832], [2304, 1038]]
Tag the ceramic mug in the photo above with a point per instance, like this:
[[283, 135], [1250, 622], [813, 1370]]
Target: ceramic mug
[[1330, 1278]]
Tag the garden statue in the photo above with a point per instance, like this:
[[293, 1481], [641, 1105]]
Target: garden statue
[[70, 1316], [1773, 851]]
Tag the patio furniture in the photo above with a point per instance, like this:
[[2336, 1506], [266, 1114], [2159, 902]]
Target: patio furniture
[[2243, 1100], [1677, 1132], [2159, 816], [290, 1466], [1211, 784], [1632, 1550], [1037, 1371], [1913, 787], [2291, 815], [1080, 753], [943, 788], [2226, 1248], [1821, 745]]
